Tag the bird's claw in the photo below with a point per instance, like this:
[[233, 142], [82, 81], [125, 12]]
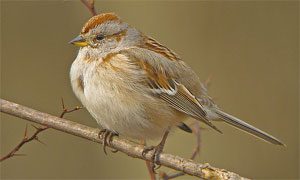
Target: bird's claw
[[155, 156], [107, 138]]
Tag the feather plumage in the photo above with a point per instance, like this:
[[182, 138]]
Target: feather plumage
[[164, 83], [133, 85]]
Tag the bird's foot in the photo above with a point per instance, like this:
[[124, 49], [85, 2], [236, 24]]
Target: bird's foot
[[155, 155], [156, 152], [107, 138]]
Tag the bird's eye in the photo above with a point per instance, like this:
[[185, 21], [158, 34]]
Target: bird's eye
[[99, 37]]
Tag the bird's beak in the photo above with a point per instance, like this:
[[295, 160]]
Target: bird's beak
[[79, 41]]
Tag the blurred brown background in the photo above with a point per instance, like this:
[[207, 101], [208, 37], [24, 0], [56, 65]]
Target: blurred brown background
[[250, 49]]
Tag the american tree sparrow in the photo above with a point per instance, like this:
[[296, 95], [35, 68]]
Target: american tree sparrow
[[134, 86]]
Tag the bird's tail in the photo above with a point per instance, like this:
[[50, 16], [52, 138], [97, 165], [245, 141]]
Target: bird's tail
[[247, 127]]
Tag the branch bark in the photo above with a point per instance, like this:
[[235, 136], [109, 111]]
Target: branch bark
[[132, 149]]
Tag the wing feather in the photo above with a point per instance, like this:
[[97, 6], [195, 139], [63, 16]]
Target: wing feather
[[185, 102], [163, 83]]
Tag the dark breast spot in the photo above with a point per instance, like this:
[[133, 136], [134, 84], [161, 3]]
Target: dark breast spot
[[80, 83]]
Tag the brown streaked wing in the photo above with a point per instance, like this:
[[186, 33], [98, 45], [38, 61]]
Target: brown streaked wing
[[153, 45], [165, 87], [157, 78]]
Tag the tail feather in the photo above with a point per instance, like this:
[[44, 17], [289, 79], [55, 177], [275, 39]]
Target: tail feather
[[247, 127]]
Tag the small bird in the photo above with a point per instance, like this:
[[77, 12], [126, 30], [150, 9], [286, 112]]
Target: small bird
[[138, 88]]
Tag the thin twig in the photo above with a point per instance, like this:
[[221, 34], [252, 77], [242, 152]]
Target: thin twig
[[148, 165], [66, 110], [25, 139], [204, 171], [196, 130], [90, 5], [150, 171]]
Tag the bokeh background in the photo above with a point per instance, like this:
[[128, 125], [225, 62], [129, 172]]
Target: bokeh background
[[249, 49]]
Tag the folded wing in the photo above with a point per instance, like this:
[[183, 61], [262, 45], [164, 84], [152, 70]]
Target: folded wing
[[162, 82]]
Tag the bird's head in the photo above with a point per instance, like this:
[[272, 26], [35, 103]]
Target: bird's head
[[105, 32]]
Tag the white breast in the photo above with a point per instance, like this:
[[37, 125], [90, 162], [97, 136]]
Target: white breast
[[116, 107]]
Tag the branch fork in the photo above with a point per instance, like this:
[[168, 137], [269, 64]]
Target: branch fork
[[33, 137]]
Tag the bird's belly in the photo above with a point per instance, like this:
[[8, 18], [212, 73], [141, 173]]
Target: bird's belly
[[124, 111], [121, 105]]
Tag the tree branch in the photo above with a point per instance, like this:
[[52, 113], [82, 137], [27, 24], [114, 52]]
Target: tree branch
[[90, 6], [132, 149], [26, 140]]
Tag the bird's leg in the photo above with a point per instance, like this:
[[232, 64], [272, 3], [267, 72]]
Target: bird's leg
[[157, 150], [107, 138]]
